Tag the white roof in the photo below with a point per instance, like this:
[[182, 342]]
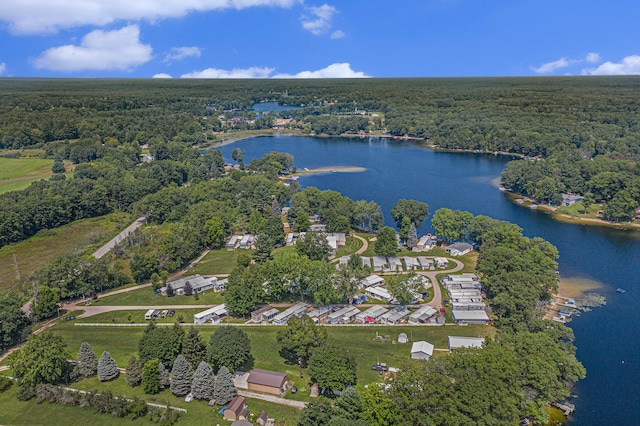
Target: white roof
[[422, 346], [374, 312], [216, 310], [373, 280], [470, 315], [456, 342], [379, 292], [423, 310]]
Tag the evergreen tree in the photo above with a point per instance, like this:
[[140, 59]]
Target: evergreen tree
[[193, 347], [133, 373], [412, 239], [228, 346], [87, 360], [107, 368], [163, 343], [224, 390], [349, 404], [58, 166], [163, 374], [181, 375], [151, 377], [203, 382]]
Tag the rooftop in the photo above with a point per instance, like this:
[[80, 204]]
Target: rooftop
[[266, 378]]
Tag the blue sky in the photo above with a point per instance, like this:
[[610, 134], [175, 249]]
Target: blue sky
[[308, 38]]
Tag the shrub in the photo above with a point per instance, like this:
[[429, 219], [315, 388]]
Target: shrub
[[5, 383]]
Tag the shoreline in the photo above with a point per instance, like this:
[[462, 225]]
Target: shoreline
[[330, 169], [567, 218]]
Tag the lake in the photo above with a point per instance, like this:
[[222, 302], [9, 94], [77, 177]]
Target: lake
[[607, 338]]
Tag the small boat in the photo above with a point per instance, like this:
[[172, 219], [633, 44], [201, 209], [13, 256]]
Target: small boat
[[621, 291]]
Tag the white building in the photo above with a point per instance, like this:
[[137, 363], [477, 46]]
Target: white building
[[422, 315], [372, 281], [371, 315], [296, 310], [457, 342], [344, 315], [380, 293], [212, 315], [458, 249], [421, 350]]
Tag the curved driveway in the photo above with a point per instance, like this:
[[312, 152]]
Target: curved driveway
[[432, 275]]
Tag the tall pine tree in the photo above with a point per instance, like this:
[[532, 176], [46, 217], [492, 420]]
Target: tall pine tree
[[203, 382], [181, 376], [151, 377], [224, 390], [87, 361], [193, 347], [133, 373], [107, 368], [165, 380]]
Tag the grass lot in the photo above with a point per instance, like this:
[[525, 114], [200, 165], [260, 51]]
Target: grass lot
[[146, 297], [18, 173], [371, 247], [219, 261], [15, 412], [351, 246], [42, 248], [283, 252], [577, 210]]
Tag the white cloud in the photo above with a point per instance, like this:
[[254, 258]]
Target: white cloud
[[337, 34], [253, 72], [180, 53], [162, 75], [99, 50], [551, 66], [338, 70], [629, 65], [3, 68], [592, 58], [46, 16], [321, 21]]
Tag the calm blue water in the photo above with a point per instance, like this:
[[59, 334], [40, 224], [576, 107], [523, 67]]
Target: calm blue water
[[607, 338], [264, 108]]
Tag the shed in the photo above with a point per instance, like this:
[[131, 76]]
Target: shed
[[266, 381], [242, 422], [457, 342], [234, 408], [402, 338], [421, 350], [262, 418]]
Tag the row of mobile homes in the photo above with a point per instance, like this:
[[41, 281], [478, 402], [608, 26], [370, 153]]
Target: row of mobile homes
[[380, 293], [320, 314], [344, 315], [264, 314], [296, 310], [423, 315], [426, 263], [394, 264], [441, 262], [380, 264], [212, 315], [241, 241], [411, 263], [372, 281], [371, 315], [233, 242]]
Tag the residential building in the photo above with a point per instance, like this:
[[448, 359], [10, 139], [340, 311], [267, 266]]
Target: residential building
[[212, 315], [296, 310], [344, 315], [421, 350], [380, 293], [459, 249], [372, 281], [266, 381], [456, 342], [422, 315], [265, 313], [371, 315]]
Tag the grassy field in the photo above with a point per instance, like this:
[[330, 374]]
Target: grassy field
[[18, 173], [351, 246], [146, 296], [42, 248], [220, 261]]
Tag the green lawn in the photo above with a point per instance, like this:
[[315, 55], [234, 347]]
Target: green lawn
[[47, 244], [146, 297], [371, 246], [16, 412], [577, 210], [351, 246], [220, 261], [18, 173]]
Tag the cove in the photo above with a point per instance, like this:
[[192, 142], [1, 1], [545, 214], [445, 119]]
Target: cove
[[606, 338]]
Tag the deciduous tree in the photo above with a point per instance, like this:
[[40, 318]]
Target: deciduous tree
[[228, 347], [42, 360], [332, 367], [299, 338], [416, 211]]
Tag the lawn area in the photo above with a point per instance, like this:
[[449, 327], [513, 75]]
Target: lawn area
[[371, 247], [43, 247], [16, 412], [351, 246], [577, 210], [18, 173], [217, 262], [283, 252], [146, 297]]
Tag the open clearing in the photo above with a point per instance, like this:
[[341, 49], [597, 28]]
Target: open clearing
[[18, 173], [47, 244]]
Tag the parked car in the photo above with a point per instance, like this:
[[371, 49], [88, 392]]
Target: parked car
[[164, 313], [380, 367], [294, 389], [172, 313]]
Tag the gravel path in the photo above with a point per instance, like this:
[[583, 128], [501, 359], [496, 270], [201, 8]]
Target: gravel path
[[121, 236]]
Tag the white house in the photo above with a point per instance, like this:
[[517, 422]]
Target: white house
[[441, 262], [421, 350], [470, 316], [296, 310], [212, 315], [426, 243], [372, 281], [379, 293], [458, 249]]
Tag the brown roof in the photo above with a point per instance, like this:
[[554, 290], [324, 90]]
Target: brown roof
[[262, 310], [236, 405], [267, 378]]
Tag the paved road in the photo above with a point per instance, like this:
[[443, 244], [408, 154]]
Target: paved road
[[437, 294], [272, 398], [365, 244], [121, 236]]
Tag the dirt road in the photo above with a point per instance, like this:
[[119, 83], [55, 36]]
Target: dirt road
[[121, 236]]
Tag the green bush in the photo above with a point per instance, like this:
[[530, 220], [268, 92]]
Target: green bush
[[5, 383]]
